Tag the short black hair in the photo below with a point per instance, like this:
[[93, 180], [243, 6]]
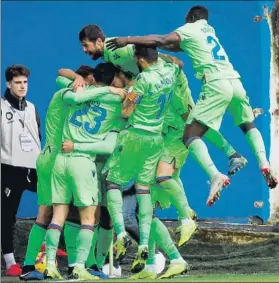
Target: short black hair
[[105, 73], [149, 53], [196, 13], [16, 71], [92, 33], [84, 71]]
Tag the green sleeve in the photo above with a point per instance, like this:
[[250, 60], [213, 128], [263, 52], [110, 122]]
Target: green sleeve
[[139, 88], [103, 147], [108, 98], [63, 82], [71, 97]]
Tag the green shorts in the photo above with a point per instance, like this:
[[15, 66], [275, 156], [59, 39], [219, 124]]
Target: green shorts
[[215, 97], [74, 178], [44, 165], [135, 158], [174, 149]]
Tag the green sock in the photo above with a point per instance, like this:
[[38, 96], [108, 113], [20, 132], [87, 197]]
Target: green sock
[[84, 242], [201, 155], [163, 239], [255, 141], [52, 240], [103, 245], [71, 231], [176, 176], [91, 257], [177, 197], [145, 214], [219, 141], [35, 240], [151, 247], [115, 208]]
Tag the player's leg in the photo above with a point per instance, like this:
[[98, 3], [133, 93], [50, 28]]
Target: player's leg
[[11, 193], [150, 152], [208, 113], [91, 260], [105, 233], [236, 160], [105, 236], [61, 196], [71, 230], [129, 213], [37, 234], [173, 158], [243, 116], [83, 178], [149, 271], [122, 167]]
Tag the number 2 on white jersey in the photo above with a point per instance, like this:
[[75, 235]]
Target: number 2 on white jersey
[[215, 49]]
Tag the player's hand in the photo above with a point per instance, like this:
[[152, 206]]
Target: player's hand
[[67, 146], [79, 89], [118, 91], [79, 82], [115, 43]]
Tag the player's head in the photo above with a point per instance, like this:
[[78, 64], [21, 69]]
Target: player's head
[[87, 73], [196, 13], [108, 74], [92, 40], [145, 55], [17, 80]]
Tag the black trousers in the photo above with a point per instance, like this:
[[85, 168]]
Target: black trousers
[[14, 180]]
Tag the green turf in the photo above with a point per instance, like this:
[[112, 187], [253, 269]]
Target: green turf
[[190, 278]]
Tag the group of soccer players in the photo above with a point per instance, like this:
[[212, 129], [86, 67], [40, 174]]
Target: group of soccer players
[[130, 122]]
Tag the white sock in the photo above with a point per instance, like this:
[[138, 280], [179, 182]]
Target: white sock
[[142, 246], [121, 235], [150, 268], [186, 221], [177, 260], [9, 259]]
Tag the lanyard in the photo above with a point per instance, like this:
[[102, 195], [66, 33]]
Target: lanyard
[[22, 121]]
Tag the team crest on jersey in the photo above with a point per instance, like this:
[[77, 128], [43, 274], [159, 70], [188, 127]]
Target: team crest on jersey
[[116, 56], [203, 96], [9, 116]]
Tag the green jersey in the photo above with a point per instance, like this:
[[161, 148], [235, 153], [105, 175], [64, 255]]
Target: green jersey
[[152, 93], [92, 121], [208, 57], [181, 103], [55, 117], [123, 58]]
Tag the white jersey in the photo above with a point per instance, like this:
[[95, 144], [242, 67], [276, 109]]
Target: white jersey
[[12, 130], [208, 57]]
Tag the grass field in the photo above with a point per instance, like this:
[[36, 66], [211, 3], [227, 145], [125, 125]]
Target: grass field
[[190, 278]]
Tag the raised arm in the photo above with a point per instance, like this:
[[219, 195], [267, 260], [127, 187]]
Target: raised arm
[[152, 40], [116, 95], [171, 59]]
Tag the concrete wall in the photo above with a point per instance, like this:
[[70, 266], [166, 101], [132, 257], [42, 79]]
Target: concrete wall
[[44, 36]]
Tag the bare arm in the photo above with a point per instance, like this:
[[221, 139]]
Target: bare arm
[[171, 59], [128, 107], [151, 40], [67, 73], [78, 80]]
